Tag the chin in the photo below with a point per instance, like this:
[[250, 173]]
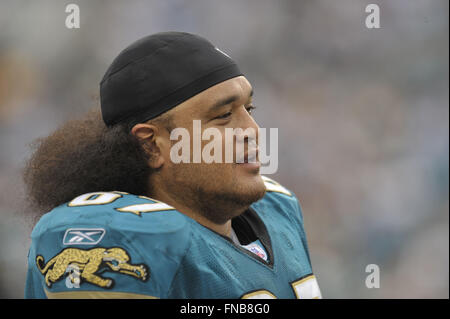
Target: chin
[[233, 203], [250, 188]]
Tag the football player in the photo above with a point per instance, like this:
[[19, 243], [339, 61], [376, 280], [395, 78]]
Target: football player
[[125, 221]]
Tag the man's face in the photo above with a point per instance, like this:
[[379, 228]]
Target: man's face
[[220, 190]]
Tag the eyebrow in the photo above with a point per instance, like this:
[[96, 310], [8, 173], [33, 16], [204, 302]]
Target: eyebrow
[[227, 100]]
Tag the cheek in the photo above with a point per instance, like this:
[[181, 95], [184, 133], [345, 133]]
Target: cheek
[[214, 173], [213, 146], [216, 178], [202, 173]]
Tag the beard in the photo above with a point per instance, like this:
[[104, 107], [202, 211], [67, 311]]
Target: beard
[[219, 192]]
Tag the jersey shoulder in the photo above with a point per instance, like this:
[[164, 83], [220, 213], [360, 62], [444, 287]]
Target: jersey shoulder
[[279, 198], [116, 210], [136, 242]]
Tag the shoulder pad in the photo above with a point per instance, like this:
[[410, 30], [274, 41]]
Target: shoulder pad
[[118, 210], [281, 199]]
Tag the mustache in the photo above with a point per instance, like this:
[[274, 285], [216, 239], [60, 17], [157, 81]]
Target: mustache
[[249, 156]]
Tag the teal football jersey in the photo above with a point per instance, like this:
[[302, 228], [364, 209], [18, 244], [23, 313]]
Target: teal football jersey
[[118, 245]]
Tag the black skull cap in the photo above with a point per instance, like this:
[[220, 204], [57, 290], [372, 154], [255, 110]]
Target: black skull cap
[[158, 72]]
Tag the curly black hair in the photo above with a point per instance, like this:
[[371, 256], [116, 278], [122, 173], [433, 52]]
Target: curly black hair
[[85, 156]]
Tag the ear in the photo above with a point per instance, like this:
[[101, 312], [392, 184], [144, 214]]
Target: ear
[[148, 136]]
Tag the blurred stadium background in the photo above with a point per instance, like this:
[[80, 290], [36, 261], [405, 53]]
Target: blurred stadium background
[[363, 119]]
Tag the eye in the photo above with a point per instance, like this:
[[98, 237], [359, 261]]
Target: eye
[[224, 116], [250, 109]]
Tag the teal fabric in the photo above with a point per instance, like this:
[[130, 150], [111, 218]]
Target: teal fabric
[[156, 250]]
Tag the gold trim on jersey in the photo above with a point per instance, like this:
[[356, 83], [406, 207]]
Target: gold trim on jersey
[[95, 295], [272, 186], [259, 292]]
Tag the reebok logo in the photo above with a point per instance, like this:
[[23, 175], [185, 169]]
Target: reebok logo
[[83, 236]]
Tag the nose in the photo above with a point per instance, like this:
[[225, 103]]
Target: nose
[[250, 128], [246, 120]]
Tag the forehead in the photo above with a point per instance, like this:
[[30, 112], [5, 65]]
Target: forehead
[[198, 104]]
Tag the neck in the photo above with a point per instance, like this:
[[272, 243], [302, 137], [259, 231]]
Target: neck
[[168, 198]]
